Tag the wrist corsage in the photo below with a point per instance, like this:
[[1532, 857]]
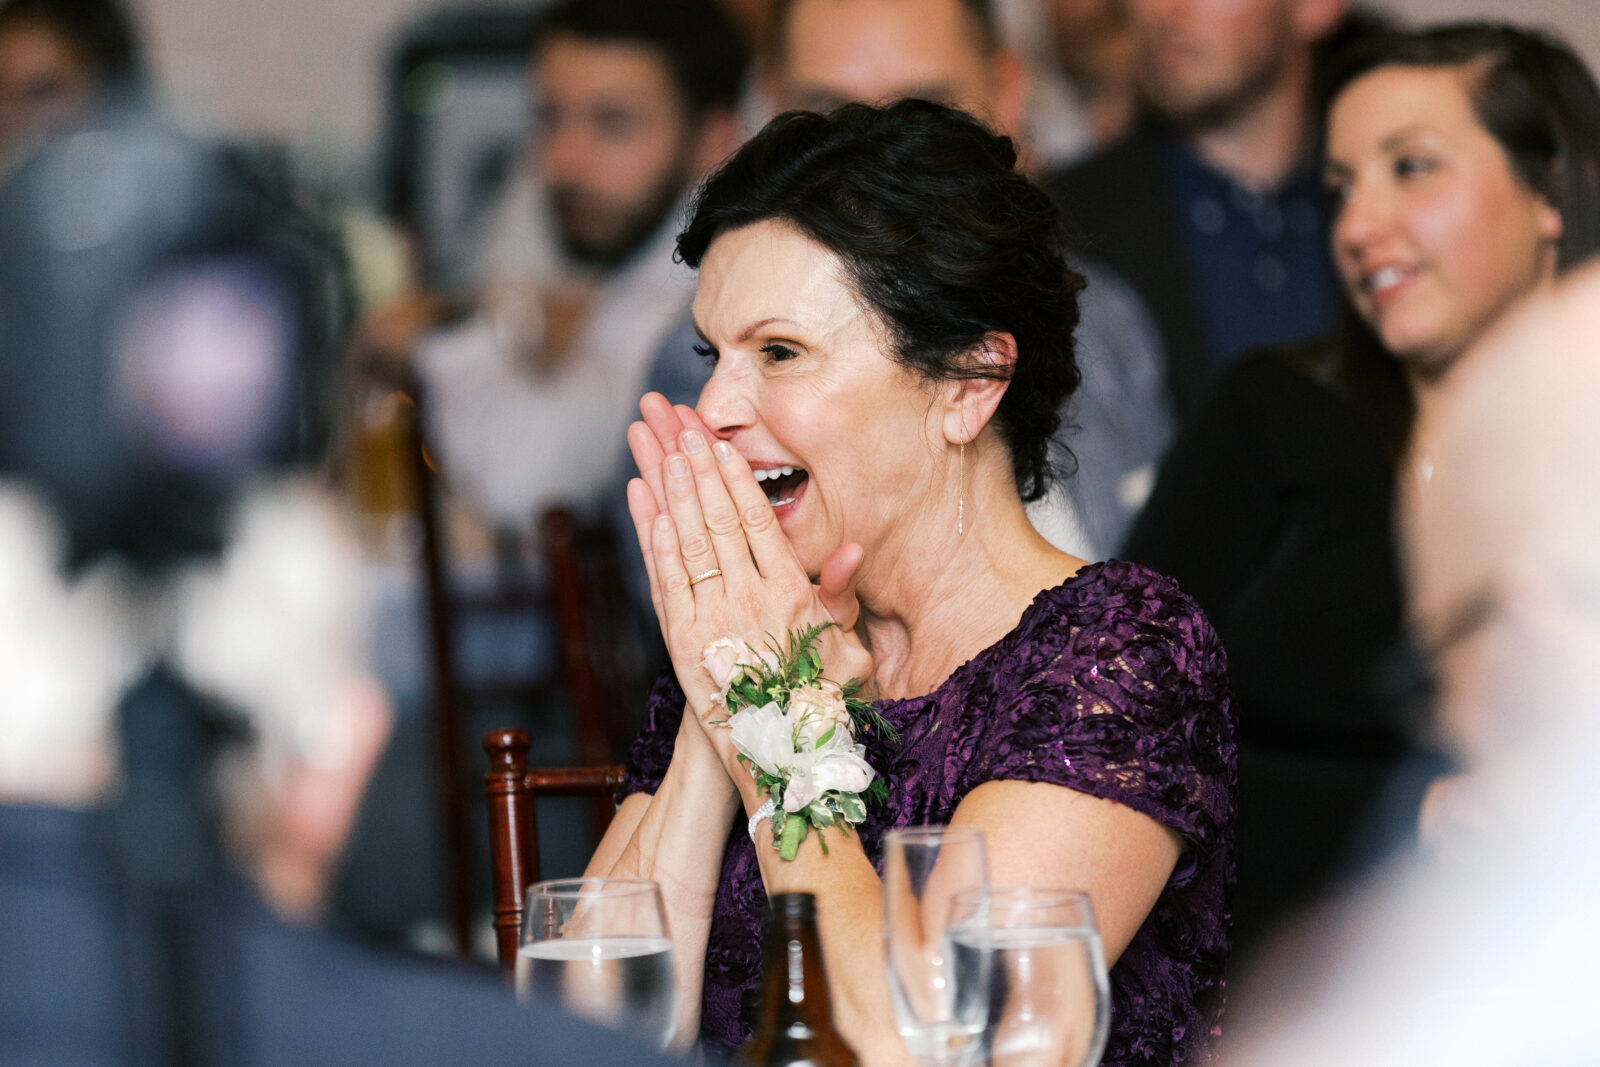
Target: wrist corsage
[[796, 732]]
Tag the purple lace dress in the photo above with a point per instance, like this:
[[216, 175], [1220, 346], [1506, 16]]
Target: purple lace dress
[[1113, 684]]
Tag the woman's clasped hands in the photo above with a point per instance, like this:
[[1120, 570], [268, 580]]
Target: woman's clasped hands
[[719, 562]]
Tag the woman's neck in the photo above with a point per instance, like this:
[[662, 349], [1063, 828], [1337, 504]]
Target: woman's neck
[[942, 595]]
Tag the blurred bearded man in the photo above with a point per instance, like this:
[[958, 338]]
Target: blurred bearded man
[[1212, 207], [618, 139], [634, 101]]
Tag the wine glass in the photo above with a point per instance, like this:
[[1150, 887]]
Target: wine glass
[[939, 980], [1050, 1000], [598, 947]]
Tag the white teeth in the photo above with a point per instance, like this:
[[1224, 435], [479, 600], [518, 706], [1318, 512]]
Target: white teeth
[[764, 474], [1384, 278]]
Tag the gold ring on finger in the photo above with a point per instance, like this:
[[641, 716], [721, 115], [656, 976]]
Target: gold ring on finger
[[714, 572]]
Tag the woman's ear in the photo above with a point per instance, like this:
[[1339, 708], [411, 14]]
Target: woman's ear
[[1548, 220], [971, 402]]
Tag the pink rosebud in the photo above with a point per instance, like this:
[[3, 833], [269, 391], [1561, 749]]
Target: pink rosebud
[[816, 709], [722, 660]]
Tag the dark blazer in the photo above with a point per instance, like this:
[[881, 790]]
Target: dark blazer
[[266, 992], [1274, 512], [1117, 208]]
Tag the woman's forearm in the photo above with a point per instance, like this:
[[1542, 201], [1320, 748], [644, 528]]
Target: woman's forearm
[[850, 923], [675, 838]]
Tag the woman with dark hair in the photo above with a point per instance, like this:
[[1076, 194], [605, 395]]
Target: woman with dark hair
[[1464, 165], [884, 301]]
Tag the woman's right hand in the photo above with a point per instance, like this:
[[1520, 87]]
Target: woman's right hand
[[714, 512]]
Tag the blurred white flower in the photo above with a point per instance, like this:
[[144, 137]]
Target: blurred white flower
[[65, 659], [287, 592]]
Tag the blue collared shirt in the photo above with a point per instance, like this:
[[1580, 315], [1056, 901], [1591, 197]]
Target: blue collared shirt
[[1260, 262]]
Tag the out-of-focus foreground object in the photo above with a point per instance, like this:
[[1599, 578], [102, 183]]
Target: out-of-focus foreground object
[[1481, 950]]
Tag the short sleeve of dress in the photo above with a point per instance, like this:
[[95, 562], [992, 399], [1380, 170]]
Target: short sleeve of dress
[[1120, 691], [652, 748]]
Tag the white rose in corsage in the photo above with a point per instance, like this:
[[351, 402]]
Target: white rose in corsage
[[796, 732]]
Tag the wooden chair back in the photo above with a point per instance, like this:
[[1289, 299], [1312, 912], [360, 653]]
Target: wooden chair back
[[512, 789], [582, 587]]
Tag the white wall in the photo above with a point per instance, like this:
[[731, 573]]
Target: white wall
[[306, 71], [1577, 20], [309, 71]]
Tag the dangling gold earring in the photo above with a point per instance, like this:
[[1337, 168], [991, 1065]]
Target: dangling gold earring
[[961, 489]]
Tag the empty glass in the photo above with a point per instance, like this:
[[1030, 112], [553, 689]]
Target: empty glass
[[599, 948], [938, 978]]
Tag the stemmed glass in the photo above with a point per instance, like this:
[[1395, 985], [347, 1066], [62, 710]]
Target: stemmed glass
[[599, 948], [938, 977], [1050, 1001]]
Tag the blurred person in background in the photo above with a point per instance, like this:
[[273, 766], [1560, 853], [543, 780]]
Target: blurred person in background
[[182, 638], [1480, 949], [1464, 167], [1094, 47], [60, 60], [754, 18], [635, 99], [1212, 206], [830, 52]]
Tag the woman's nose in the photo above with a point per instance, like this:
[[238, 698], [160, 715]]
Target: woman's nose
[[1359, 220], [725, 403]]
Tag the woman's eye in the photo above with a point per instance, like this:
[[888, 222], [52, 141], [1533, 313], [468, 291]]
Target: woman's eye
[[1337, 193], [1410, 166], [778, 352], [707, 353]]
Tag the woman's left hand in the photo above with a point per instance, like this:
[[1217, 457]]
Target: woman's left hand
[[720, 565]]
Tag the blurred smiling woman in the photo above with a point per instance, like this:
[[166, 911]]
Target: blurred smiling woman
[[1464, 163], [889, 317], [1464, 167]]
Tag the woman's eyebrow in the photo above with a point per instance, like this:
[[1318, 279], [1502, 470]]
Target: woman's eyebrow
[[1400, 137], [749, 331]]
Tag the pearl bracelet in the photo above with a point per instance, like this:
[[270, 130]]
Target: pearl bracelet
[[765, 811]]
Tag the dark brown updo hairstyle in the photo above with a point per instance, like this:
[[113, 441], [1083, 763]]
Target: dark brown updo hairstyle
[[941, 236]]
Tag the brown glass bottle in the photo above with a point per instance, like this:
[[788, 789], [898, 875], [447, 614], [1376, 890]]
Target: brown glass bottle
[[795, 1026]]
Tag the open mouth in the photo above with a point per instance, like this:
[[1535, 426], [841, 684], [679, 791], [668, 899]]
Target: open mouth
[[1380, 282], [781, 484]]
